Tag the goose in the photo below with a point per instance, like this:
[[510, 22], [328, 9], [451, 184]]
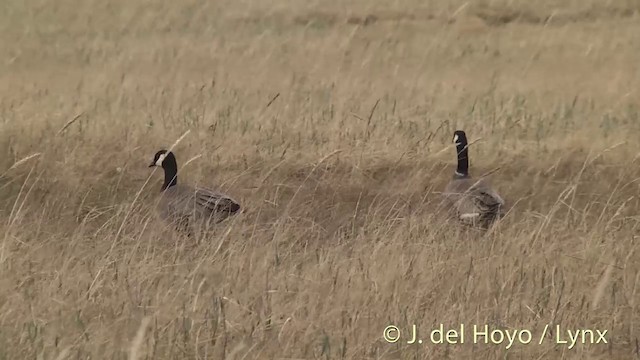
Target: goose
[[474, 200], [187, 207]]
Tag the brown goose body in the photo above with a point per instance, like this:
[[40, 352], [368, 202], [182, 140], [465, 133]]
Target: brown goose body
[[474, 201], [190, 208]]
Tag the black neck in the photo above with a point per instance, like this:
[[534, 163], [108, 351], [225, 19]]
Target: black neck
[[463, 160], [170, 172]]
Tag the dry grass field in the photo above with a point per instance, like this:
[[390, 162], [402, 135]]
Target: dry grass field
[[331, 122]]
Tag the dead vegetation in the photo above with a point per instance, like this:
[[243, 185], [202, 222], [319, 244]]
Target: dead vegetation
[[331, 123]]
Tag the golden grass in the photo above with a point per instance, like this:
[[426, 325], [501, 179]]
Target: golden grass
[[330, 121]]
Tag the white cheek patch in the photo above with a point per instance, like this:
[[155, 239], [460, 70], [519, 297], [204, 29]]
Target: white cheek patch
[[455, 138], [160, 159]]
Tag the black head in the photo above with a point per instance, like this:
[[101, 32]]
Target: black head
[[460, 138], [167, 161], [159, 158]]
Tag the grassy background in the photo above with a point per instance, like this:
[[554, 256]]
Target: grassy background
[[339, 176]]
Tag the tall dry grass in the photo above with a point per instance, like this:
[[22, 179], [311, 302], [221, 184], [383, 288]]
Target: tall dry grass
[[331, 122]]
